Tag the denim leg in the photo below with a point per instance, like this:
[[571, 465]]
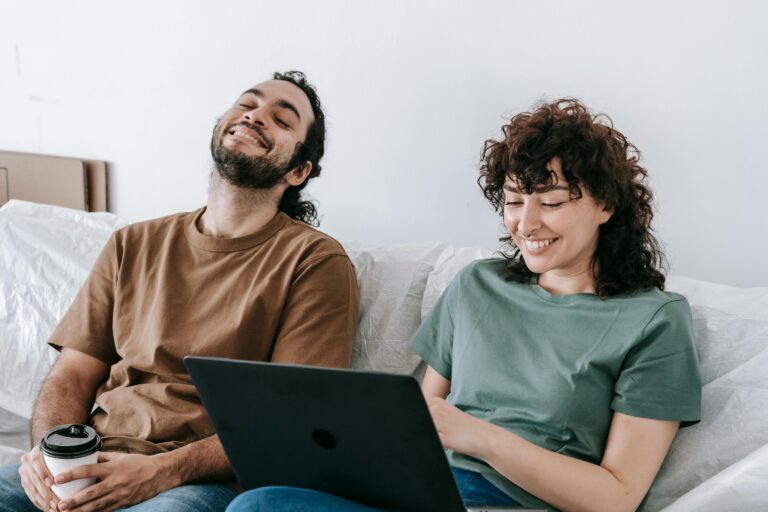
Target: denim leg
[[292, 499], [12, 495], [476, 490], [189, 498]]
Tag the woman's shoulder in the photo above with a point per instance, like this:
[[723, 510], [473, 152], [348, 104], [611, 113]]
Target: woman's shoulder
[[652, 297], [483, 269], [653, 304], [488, 275]]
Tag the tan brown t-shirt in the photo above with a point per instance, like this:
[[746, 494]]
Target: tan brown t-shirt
[[161, 290]]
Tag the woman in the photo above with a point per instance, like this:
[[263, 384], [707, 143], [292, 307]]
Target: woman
[[559, 374]]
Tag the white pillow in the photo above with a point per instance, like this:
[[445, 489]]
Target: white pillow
[[448, 265], [741, 486], [392, 281], [45, 255]]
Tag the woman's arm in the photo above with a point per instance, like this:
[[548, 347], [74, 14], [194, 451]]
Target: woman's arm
[[434, 384], [634, 453]]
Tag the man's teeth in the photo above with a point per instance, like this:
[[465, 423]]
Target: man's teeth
[[248, 137], [538, 244]]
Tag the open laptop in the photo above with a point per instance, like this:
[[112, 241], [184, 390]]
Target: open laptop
[[361, 435]]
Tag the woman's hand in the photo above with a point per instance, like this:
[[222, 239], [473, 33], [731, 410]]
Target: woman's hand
[[458, 430]]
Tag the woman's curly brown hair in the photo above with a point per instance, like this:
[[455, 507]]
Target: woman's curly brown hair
[[595, 156]]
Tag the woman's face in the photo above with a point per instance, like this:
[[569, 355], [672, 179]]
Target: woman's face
[[557, 235]]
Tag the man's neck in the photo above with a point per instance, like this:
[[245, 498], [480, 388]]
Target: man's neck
[[234, 212]]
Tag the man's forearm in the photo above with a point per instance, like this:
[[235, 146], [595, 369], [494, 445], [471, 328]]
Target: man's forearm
[[60, 401], [199, 461]]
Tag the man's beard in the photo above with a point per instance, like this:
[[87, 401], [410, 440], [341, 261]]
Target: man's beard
[[255, 172]]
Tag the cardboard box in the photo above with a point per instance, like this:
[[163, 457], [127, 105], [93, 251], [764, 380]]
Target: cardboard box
[[68, 182]]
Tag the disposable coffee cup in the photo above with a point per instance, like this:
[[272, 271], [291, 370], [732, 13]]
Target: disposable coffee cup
[[66, 447]]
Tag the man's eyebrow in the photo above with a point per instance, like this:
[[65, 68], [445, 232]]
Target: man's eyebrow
[[537, 190], [280, 103]]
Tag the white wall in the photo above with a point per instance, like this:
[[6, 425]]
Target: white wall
[[412, 89]]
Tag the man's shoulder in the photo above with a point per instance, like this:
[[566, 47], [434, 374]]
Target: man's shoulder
[[299, 236], [161, 225]]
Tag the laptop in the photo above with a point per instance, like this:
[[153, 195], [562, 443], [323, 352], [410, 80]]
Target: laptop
[[365, 436]]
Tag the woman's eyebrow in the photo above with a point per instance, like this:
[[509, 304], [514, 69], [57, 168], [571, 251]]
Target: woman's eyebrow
[[537, 190]]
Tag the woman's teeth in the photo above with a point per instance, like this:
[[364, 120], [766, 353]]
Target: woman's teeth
[[538, 244]]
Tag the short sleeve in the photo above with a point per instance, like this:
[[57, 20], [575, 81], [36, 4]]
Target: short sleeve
[[87, 324], [433, 340], [320, 315], [660, 377]]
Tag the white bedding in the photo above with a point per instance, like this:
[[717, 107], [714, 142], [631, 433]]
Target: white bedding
[[14, 436], [46, 253]]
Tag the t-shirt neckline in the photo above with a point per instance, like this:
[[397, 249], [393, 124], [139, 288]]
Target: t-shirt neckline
[[560, 299], [213, 244]]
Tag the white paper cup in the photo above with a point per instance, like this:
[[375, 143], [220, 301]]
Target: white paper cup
[[66, 447], [56, 466]]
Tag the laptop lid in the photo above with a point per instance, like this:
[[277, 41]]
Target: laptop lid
[[364, 436]]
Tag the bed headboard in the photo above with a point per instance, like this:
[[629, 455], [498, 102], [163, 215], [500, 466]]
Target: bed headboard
[[60, 181]]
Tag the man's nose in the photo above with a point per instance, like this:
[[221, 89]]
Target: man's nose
[[255, 116]]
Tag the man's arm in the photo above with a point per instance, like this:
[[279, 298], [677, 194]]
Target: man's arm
[[66, 397], [320, 314], [124, 480], [68, 393]]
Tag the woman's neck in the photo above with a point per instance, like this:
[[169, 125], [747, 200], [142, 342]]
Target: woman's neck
[[568, 283]]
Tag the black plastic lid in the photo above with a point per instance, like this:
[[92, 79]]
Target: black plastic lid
[[70, 441]]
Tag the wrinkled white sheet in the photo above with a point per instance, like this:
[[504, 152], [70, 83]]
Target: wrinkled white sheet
[[731, 326], [46, 253], [740, 487], [14, 437]]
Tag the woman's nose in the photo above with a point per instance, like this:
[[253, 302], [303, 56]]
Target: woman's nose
[[529, 219]]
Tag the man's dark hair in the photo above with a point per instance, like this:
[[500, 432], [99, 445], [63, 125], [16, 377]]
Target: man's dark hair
[[594, 156], [311, 151]]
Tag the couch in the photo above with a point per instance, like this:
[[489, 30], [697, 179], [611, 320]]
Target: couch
[[719, 465]]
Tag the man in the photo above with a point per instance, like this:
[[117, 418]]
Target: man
[[245, 277]]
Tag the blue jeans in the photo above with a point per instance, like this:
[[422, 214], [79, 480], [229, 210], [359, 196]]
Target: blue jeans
[[474, 489], [194, 498]]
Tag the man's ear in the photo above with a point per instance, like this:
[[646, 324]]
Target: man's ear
[[299, 175]]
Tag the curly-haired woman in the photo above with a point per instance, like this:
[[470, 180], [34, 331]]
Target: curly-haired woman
[[560, 373]]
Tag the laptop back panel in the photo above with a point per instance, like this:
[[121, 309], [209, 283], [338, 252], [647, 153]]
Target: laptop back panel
[[365, 436]]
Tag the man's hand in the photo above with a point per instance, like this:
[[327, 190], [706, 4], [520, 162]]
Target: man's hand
[[459, 431], [37, 480], [122, 480]]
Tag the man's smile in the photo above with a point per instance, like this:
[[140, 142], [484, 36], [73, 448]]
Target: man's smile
[[251, 136]]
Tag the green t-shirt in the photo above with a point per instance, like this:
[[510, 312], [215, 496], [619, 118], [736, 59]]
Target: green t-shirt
[[552, 369]]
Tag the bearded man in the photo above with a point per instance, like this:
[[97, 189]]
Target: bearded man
[[244, 277]]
